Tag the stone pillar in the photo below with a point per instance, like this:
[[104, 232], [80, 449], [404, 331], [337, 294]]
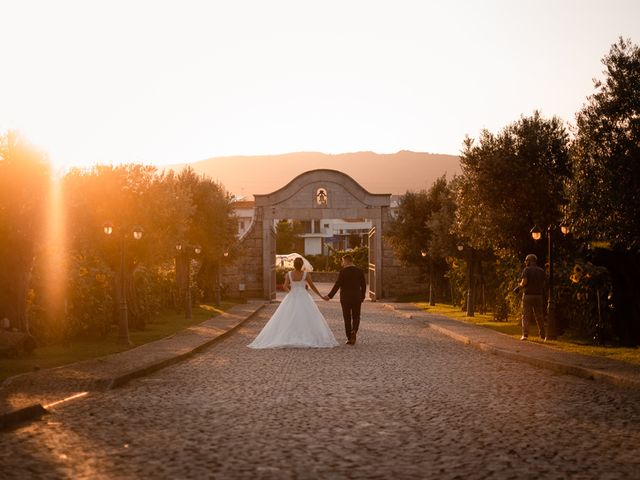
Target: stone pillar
[[398, 279], [243, 278], [377, 223]]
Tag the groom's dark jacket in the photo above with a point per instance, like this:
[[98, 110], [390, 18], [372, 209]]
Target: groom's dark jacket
[[352, 285]]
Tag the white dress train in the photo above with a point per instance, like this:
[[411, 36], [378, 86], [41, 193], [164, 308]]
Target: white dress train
[[296, 323]]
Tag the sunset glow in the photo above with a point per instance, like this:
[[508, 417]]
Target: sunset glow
[[175, 82], [56, 234]]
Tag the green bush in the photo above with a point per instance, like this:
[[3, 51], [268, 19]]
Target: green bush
[[281, 272], [318, 262], [165, 288], [87, 308], [503, 277], [89, 301], [582, 291], [360, 258]]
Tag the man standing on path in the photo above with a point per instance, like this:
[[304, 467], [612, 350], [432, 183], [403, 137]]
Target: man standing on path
[[532, 283], [353, 289]]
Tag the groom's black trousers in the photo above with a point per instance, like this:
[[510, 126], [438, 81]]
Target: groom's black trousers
[[351, 314]]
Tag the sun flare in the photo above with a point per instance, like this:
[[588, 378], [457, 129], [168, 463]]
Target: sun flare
[[56, 235]]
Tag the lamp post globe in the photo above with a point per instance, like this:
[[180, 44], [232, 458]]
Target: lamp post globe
[[137, 232], [536, 233]]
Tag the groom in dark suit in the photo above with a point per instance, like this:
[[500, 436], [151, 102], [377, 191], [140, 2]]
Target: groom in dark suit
[[353, 289]]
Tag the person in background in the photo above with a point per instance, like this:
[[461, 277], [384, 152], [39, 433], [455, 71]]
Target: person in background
[[532, 286]]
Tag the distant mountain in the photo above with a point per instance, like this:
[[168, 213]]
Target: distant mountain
[[393, 173]]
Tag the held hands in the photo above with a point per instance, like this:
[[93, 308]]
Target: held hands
[[326, 297]]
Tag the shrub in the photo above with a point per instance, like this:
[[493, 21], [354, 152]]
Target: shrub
[[87, 307], [581, 299], [280, 274], [360, 258], [319, 262]]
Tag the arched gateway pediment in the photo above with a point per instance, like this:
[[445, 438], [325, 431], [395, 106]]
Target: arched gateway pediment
[[321, 193]]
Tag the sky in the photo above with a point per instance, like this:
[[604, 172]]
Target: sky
[[166, 82]]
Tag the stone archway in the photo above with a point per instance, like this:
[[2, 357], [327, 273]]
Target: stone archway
[[313, 195]]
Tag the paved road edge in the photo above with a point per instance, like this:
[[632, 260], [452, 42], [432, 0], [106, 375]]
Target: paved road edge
[[537, 361], [34, 411]]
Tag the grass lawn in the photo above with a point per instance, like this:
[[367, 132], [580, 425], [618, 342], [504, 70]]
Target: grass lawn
[[158, 327], [512, 328]]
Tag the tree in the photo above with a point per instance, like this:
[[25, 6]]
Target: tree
[[419, 223], [422, 225], [127, 196], [604, 192], [442, 241], [24, 188], [211, 226], [512, 181], [285, 237], [605, 188]]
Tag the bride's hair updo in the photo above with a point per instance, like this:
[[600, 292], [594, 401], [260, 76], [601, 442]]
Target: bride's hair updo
[[298, 263]]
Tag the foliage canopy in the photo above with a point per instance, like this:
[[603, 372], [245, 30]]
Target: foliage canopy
[[512, 181], [604, 191]]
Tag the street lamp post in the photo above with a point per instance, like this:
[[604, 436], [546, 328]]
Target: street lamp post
[[137, 231], [184, 253], [218, 298], [424, 254], [536, 234]]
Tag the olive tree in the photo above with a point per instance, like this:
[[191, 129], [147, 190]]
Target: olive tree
[[604, 191]]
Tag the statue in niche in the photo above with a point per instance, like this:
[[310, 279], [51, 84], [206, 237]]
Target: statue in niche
[[322, 197]]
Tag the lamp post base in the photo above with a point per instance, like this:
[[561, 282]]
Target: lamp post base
[[123, 335], [552, 328], [187, 307]]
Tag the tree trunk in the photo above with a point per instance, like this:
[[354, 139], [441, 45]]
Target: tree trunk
[[471, 293], [207, 279], [17, 291]]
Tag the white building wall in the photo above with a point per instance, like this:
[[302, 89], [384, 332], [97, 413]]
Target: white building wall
[[244, 217], [312, 245]]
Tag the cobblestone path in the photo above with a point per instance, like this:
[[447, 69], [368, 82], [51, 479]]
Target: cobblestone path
[[405, 402]]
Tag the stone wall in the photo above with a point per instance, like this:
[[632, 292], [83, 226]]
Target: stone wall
[[243, 277], [398, 279]]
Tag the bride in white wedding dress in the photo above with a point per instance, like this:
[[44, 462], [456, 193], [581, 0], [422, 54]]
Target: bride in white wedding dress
[[297, 322]]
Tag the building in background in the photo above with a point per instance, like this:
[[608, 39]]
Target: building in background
[[320, 236], [244, 212]]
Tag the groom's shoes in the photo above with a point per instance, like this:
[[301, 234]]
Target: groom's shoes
[[352, 338]]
